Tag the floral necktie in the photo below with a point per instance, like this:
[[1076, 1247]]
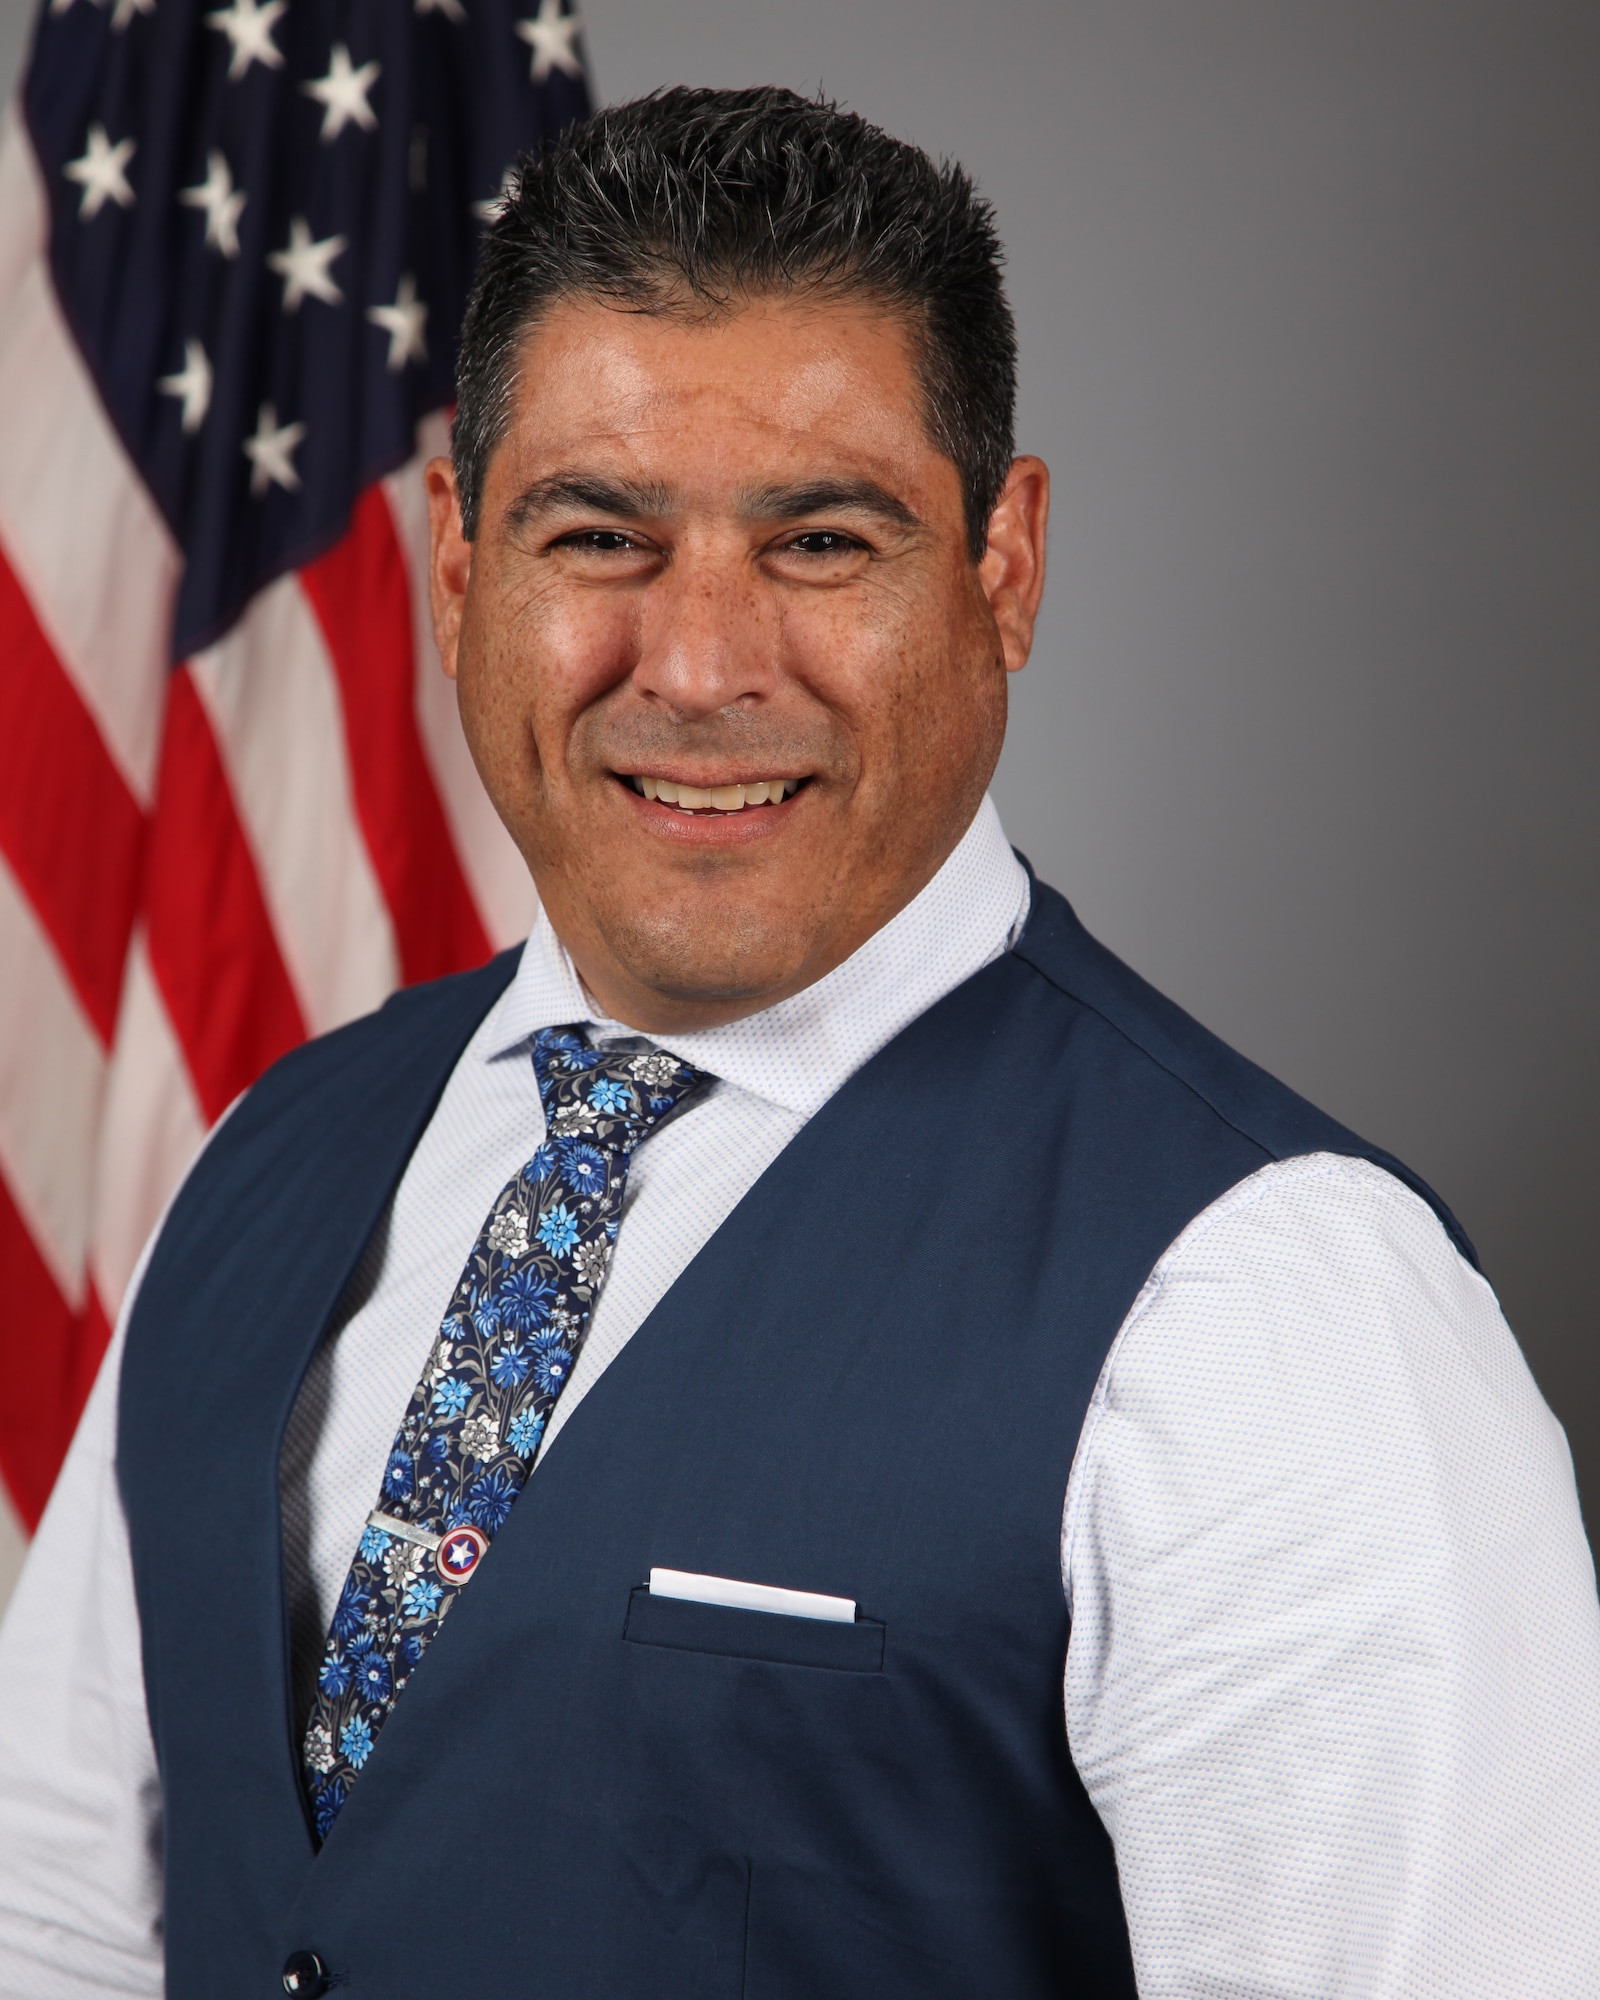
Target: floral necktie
[[504, 1353]]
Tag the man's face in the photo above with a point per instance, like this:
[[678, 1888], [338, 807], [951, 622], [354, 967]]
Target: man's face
[[725, 664]]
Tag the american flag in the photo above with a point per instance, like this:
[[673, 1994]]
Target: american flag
[[236, 808]]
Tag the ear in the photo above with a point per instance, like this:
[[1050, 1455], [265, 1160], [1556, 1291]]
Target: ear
[[1011, 571], [449, 559]]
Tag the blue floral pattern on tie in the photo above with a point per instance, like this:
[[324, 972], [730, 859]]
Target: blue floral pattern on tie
[[505, 1351]]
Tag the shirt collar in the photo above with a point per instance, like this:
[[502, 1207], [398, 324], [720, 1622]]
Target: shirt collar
[[797, 1053]]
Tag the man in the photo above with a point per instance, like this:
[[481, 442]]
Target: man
[[606, 1457]]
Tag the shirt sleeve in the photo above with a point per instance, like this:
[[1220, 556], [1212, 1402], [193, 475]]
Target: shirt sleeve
[[1334, 1675], [80, 1799]]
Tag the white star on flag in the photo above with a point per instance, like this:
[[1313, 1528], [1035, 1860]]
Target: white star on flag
[[551, 34], [343, 94], [452, 10], [125, 10], [193, 383], [270, 453], [248, 25], [100, 173], [489, 210], [303, 266], [404, 322], [222, 203]]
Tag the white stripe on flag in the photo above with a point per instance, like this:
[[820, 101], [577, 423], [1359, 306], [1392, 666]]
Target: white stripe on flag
[[496, 873], [269, 691], [150, 1129], [52, 1072]]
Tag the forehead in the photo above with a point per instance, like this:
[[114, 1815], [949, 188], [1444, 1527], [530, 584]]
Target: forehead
[[778, 382]]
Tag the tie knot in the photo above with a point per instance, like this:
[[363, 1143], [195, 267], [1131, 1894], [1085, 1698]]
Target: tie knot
[[614, 1096]]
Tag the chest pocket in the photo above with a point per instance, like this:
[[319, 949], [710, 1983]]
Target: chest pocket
[[684, 1626]]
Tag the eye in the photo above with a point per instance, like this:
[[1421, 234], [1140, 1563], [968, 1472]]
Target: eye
[[823, 542], [597, 541]]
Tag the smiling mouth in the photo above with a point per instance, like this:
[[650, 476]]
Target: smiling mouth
[[716, 798]]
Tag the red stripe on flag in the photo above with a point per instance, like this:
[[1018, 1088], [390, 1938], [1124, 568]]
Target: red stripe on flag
[[48, 1358], [361, 594], [69, 826], [212, 946]]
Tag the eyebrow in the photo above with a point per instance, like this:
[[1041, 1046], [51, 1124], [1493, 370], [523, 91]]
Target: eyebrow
[[627, 497], [826, 496]]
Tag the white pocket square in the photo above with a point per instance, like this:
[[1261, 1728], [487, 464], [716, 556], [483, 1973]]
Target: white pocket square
[[751, 1596]]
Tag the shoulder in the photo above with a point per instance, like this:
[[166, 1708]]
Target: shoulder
[[1313, 1357], [411, 1026], [358, 1095], [1329, 1256], [1143, 1033]]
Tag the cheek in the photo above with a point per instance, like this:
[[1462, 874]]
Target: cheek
[[585, 641], [852, 648], [913, 676], [536, 658]]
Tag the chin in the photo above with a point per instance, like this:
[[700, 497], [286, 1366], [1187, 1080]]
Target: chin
[[694, 984], [728, 958]]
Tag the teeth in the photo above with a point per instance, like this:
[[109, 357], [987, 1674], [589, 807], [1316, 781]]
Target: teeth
[[723, 798]]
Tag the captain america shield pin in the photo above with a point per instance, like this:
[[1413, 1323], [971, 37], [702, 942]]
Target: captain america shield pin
[[460, 1553]]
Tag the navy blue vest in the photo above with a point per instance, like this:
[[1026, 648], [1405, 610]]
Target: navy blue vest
[[870, 1383]]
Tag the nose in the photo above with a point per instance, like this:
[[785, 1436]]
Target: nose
[[708, 641]]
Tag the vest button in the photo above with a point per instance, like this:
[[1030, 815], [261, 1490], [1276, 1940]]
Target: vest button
[[305, 1975]]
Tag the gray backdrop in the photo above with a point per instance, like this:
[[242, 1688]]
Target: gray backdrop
[[1310, 322]]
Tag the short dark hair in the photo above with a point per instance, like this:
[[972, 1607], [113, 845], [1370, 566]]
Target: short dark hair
[[697, 200]]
